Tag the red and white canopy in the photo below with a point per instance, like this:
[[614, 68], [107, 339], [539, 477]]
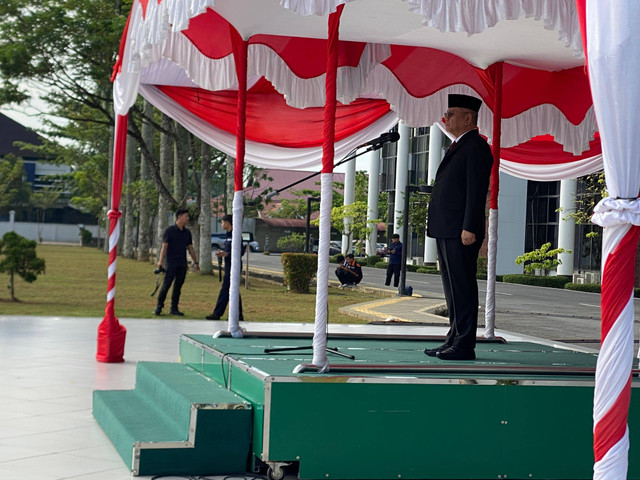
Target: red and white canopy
[[400, 59]]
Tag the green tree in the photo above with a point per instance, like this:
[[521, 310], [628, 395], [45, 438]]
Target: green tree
[[19, 259], [14, 189], [43, 200], [541, 259]]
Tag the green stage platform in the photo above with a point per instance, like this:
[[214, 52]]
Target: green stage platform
[[521, 410]]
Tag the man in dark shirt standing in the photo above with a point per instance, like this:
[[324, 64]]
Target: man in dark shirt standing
[[176, 239], [223, 296], [395, 260], [456, 220]]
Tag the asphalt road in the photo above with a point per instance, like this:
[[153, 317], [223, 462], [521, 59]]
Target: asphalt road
[[550, 313]]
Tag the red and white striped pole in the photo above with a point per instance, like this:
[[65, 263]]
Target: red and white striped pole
[[111, 335]]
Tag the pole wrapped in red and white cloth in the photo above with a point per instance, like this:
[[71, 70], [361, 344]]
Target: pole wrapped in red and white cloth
[[612, 39], [111, 335]]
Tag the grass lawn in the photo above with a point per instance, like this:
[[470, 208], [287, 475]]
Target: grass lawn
[[75, 284]]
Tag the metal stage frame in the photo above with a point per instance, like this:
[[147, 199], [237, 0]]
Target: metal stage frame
[[521, 410]]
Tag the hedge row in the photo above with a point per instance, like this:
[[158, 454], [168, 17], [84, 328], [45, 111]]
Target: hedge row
[[553, 282]]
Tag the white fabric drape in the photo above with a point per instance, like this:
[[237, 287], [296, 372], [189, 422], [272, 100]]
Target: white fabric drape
[[320, 359], [236, 261], [455, 16], [550, 173], [490, 304], [613, 46]]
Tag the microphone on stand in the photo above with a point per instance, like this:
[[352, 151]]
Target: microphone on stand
[[377, 143]]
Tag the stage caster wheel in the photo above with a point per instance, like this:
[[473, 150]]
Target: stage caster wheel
[[276, 470]]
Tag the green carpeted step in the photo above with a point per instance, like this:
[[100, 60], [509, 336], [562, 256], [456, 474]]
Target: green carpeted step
[[173, 387], [127, 418], [176, 422]]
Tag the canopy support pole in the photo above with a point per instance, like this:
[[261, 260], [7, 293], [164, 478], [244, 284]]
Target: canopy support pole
[[111, 335], [240, 48], [320, 359], [492, 237]]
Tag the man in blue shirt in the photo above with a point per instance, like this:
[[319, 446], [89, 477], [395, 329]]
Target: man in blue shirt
[[395, 260], [176, 240], [223, 296]]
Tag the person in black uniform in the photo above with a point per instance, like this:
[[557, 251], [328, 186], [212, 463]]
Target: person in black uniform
[[395, 261], [223, 296], [350, 272], [176, 240], [456, 220]]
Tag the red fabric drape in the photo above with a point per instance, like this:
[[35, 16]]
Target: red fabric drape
[[542, 150], [286, 126], [240, 57], [330, 92], [495, 72]]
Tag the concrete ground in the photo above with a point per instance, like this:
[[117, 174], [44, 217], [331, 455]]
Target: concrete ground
[[48, 373]]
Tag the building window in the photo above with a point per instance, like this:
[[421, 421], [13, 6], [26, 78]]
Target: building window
[[543, 199]]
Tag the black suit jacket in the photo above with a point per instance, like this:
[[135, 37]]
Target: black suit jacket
[[459, 194]]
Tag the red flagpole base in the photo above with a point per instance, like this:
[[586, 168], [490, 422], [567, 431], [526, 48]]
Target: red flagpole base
[[111, 337]]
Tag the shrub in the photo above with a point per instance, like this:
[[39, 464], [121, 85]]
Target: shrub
[[299, 269], [381, 265], [372, 260], [291, 243], [433, 270], [553, 282], [482, 265], [85, 237], [583, 287]]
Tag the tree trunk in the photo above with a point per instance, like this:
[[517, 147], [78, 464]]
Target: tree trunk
[[128, 248], [205, 210], [144, 217], [166, 163], [231, 162], [181, 166], [13, 297]]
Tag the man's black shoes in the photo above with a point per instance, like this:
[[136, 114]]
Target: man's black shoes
[[432, 352], [213, 316], [453, 353], [157, 311], [177, 313]]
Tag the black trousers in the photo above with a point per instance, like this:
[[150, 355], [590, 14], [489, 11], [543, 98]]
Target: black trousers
[[458, 266], [393, 270], [223, 296], [173, 274], [345, 277]]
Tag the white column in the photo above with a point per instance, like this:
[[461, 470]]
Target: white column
[[372, 199], [349, 197], [567, 225], [435, 157], [402, 175], [12, 220]]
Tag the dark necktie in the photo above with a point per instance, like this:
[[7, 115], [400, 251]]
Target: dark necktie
[[452, 145]]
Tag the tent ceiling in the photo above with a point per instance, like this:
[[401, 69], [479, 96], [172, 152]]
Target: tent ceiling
[[391, 22]]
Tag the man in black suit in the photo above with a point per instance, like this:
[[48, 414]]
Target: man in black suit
[[456, 220]]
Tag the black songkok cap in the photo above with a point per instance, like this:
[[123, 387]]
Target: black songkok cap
[[464, 101]]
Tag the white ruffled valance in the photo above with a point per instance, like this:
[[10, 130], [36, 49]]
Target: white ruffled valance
[[313, 7], [610, 212], [475, 16], [551, 173], [539, 120], [310, 92]]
